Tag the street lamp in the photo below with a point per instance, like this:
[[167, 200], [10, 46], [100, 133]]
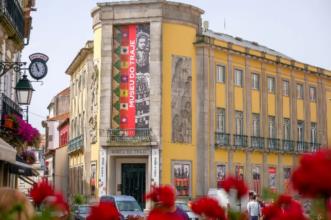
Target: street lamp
[[24, 91]]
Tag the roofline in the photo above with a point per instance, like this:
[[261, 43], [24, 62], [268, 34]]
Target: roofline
[[140, 2], [82, 54], [278, 59]]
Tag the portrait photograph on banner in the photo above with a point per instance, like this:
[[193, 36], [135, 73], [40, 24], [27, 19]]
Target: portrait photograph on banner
[[256, 176], [272, 178], [239, 172]]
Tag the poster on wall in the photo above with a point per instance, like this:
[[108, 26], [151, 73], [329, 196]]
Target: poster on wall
[[102, 174], [181, 172], [256, 176], [287, 176], [272, 178], [239, 172], [131, 77], [181, 99], [220, 174], [93, 177]]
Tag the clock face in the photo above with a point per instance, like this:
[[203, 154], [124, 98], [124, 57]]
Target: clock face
[[38, 69]]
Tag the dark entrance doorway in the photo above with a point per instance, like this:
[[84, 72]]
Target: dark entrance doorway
[[134, 181]]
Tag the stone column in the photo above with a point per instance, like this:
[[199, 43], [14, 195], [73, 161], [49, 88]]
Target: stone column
[[212, 107], [230, 109], [202, 120]]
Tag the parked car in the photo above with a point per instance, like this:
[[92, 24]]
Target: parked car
[[183, 205], [126, 205], [81, 212]]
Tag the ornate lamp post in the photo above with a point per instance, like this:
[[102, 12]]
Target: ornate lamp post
[[24, 91]]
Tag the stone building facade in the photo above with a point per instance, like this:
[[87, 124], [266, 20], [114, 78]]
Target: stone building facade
[[176, 103]]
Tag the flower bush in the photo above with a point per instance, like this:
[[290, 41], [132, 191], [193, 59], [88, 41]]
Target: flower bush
[[29, 156]]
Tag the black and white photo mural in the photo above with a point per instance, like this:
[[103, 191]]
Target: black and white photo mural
[[181, 99]]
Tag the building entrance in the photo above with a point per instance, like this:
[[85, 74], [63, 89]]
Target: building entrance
[[134, 181]]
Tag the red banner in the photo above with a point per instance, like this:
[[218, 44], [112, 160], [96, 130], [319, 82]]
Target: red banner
[[132, 80]]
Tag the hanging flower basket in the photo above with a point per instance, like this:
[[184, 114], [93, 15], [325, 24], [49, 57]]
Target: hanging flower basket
[[9, 123]]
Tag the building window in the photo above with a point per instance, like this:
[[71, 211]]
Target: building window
[[272, 126], [220, 120], [301, 137], [239, 123], [287, 129], [255, 81], [220, 74], [286, 88], [299, 91], [238, 77], [256, 125], [271, 85], [312, 94], [313, 132]]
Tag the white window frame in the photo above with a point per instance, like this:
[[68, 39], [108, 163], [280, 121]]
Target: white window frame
[[286, 88], [220, 120], [238, 77], [312, 94], [313, 132], [256, 124], [287, 129], [271, 84], [255, 81], [300, 92], [220, 73], [239, 123]]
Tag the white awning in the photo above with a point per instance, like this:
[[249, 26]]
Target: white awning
[[7, 152]]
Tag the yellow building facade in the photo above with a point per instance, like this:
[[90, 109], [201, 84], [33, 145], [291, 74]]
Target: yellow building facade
[[180, 104]]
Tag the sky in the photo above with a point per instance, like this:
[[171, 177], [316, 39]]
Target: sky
[[300, 29]]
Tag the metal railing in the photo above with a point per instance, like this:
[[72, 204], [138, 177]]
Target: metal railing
[[222, 139], [288, 145], [240, 140], [138, 135], [76, 144], [257, 142], [302, 146], [11, 11], [273, 144], [8, 106]]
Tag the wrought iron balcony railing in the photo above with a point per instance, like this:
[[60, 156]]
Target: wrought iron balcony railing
[[288, 145], [302, 146], [240, 140], [314, 147], [76, 144], [129, 136], [273, 144], [222, 139], [8, 106], [12, 14], [257, 142]]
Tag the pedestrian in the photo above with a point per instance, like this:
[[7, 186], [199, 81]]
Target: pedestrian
[[253, 208]]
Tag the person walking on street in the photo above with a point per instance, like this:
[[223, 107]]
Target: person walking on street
[[253, 208]]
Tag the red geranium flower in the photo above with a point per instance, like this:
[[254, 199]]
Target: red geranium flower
[[209, 208], [285, 208], [165, 195], [104, 211], [235, 183], [40, 191], [312, 178]]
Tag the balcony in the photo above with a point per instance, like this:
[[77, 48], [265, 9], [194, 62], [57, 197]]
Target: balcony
[[288, 146], [8, 106], [76, 144], [314, 147], [257, 142], [11, 16], [302, 146], [138, 136], [273, 144], [240, 140], [222, 139]]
